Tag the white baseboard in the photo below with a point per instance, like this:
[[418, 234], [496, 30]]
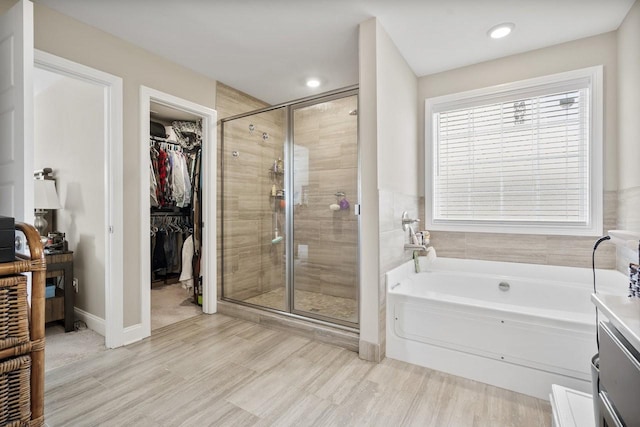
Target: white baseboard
[[93, 322], [133, 333]]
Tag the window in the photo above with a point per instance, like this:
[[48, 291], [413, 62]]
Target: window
[[525, 157]]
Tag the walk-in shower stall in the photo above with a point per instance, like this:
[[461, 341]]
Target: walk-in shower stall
[[289, 208]]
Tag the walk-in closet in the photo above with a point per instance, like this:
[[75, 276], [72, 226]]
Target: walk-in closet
[[175, 148]]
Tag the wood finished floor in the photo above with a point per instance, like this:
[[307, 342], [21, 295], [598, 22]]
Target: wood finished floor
[[214, 370]]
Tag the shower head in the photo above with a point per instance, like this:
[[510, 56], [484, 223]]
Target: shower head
[[276, 240]]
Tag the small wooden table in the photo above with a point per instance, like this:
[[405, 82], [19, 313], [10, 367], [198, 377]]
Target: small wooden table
[[60, 306]]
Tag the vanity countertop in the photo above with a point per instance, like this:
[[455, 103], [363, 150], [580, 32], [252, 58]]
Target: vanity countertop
[[623, 312]]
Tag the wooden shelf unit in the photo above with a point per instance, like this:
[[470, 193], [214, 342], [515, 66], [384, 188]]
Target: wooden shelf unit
[[60, 307]]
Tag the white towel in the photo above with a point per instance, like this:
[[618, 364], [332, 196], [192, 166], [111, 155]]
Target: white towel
[[186, 275]]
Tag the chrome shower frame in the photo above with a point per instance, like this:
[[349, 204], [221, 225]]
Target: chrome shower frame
[[289, 225]]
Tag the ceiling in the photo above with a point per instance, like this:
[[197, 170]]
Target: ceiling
[[268, 48]]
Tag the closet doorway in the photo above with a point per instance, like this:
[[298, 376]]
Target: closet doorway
[[179, 192]]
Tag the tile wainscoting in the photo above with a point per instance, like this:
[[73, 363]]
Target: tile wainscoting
[[570, 251], [628, 219], [392, 252]]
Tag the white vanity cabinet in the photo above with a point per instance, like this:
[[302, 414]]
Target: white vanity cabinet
[[618, 397]]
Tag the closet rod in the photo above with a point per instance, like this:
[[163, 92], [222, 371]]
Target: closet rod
[[170, 213], [165, 140]]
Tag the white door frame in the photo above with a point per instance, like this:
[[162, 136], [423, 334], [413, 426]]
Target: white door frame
[[112, 325], [208, 178]]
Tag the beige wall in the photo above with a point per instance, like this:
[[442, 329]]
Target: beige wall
[[63, 36], [397, 100], [629, 126], [556, 250], [629, 99], [389, 173], [68, 126], [398, 161], [369, 231]]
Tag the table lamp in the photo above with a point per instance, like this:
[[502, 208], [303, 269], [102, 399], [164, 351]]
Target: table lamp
[[46, 198]]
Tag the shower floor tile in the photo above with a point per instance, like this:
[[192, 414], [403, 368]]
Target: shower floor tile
[[311, 302]]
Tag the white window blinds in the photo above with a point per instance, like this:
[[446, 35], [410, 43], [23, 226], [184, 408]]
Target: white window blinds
[[514, 158]]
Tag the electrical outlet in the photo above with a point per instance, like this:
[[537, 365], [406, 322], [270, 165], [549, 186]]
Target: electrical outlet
[[75, 284]]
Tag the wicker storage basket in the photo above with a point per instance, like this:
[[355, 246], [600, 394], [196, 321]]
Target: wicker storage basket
[[15, 392], [14, 314]]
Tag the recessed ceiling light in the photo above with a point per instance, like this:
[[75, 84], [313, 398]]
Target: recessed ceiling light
[[313, 82], [501, 30]]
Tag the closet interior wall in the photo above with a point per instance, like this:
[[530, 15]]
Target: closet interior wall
[[175, 196]]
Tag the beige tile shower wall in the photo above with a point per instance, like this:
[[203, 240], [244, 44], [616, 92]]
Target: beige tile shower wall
[[253, 265], [257, 265], [331, 237], [571, 251]]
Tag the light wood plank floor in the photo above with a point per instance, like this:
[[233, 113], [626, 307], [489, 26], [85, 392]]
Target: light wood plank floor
[[219, 371]]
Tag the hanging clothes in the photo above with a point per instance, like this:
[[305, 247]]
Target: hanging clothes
[[170, 177], [196, 206], [186, 276], [175, 197], [153, 188], [180, 180], [168, 234], [159, 257]]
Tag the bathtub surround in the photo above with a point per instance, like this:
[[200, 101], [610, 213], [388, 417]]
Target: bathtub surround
[[497, 322], [392, 236], [569, 251], [392, 241]]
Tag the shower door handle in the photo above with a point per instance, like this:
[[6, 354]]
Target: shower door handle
[[356, 209]]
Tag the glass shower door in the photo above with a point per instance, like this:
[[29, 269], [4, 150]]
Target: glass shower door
[[253, 209], [324, 157]]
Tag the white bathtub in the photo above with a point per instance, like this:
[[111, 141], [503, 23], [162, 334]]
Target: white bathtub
[[455, 318]]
